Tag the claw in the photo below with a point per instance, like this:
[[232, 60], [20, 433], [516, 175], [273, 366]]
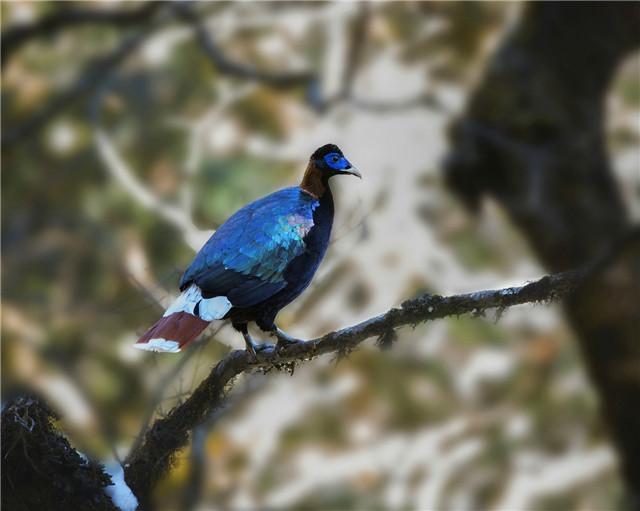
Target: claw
[[284, 339], [252, 347]]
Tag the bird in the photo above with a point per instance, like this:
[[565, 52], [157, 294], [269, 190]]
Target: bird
[[258, 261]]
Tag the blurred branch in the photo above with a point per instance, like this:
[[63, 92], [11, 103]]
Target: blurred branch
[[427, 100], [178, 216], [357, 43], [199, 130], [97, 71], [192, 492], [310, 80], [158, 393], [94, 73], [14, 37], [526, 487], [164, 382], [149, 462], [197, 476], [128, 180], [225, 65], [437, 452]]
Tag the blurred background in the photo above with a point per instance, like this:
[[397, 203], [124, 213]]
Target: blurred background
[[131, 130]]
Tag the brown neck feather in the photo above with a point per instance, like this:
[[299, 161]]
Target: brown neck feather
[[313, 181]]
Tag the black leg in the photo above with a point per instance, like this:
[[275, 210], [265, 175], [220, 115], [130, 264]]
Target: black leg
[[251, 345]]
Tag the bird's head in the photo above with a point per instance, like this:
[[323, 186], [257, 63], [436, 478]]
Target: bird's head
[[326, 161], [331, 162]]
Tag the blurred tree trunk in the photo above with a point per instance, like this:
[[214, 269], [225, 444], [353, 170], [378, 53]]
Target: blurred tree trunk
[[532, 137]]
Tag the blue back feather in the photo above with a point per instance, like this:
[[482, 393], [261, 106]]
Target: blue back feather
[[246, 258]]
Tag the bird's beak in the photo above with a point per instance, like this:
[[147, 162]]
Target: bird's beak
[[353, 171]]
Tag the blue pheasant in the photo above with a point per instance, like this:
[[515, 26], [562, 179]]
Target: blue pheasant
[[257, 262]]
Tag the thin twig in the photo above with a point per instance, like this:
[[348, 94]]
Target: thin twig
[[163, 384]]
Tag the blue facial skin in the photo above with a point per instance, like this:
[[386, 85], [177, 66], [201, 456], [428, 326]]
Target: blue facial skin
[[337, 162]]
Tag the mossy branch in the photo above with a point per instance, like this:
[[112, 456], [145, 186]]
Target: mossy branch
[[147, 463]]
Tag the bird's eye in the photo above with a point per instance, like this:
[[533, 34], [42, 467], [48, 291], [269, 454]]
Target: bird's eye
[[335, 159]]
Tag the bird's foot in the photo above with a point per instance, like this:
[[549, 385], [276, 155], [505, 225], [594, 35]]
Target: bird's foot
[[284, 339], [252, 347]]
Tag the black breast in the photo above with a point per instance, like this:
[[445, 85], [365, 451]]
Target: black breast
[[302, 269]]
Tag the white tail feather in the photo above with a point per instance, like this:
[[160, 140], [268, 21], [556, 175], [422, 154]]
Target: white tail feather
[[159, 344], [209, 308]]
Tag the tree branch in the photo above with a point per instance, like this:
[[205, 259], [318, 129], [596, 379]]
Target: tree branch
[[14, 37], [308, 79], [94, 73], [121, 172], [281, 79], [146, 464], [97, 71]]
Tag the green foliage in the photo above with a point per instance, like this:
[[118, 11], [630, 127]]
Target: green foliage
[[226, 184]]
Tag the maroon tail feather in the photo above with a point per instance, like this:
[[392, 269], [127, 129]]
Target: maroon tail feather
[[172, 333]]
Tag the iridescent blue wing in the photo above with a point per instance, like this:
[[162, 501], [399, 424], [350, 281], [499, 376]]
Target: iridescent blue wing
[[246, 258]]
